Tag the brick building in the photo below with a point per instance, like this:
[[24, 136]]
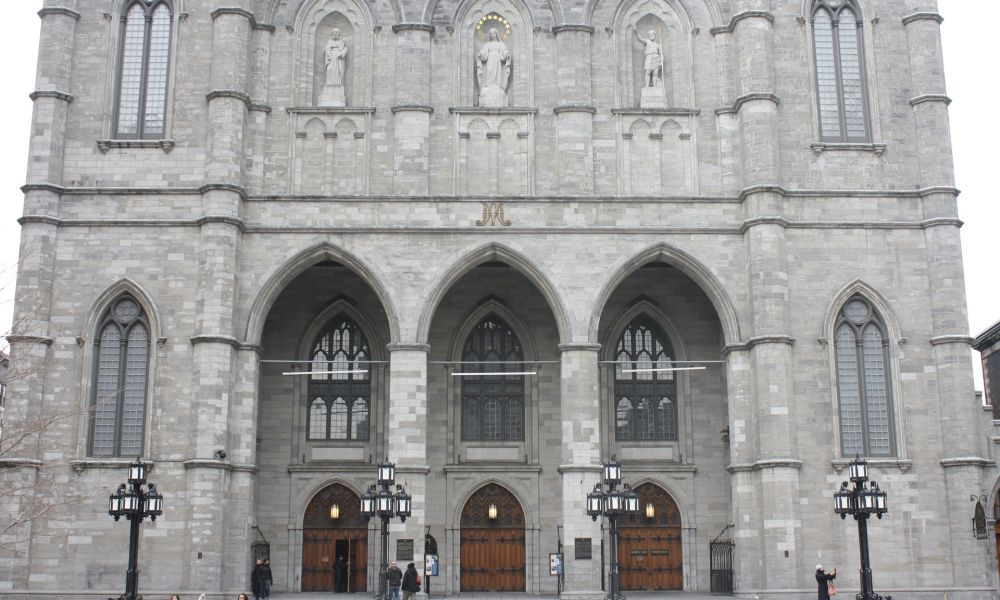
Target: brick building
[[715, 239]]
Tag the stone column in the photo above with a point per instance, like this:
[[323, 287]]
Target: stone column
[[412, 121], [575, 113], [218, 494], [581, 466], [406, 441]]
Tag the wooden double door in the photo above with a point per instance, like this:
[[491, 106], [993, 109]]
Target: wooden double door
[[649, 547], [492, 549], [321, 547]]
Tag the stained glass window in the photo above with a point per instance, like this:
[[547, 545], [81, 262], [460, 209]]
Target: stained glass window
[[492, 403], [645, 397], [140, 110], [840, 87], [118, 406], [340, 386], [863, 390]]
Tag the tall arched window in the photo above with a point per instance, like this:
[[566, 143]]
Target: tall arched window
[[840, 79], [118, 405], [339, 388], [143, 65], [645, 400], [863, 389], [492, 405]]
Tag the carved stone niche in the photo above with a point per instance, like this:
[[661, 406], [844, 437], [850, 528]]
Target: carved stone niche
[[514, 31], [671, 29], [329, 154], [657, 152], [315, 28], [495, 152]]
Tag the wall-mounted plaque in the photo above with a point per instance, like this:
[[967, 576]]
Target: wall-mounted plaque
[[404, 549], [583, 551]]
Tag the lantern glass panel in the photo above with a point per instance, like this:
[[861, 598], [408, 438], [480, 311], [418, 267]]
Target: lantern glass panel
[[367, 504], [859, 470], [137, 472], [614, 502], [594, 503], [385, 504], [386, 474], [613, 472], [631, 503], [404, 503]]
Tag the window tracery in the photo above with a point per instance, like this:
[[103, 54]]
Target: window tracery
[[839, 62], [340, 386], [492, 404], [143, 70], [645, 400]]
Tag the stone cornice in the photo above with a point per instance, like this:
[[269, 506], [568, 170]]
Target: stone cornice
[[424, 108], [235, 10], [105, 146], [580, 469], [237, 94], [59, 10], [482, 110], [408, 347], [963, 340], [749, 14], [573, 27], [215, 339], [777, 338], [11, 462], [923, 16], [332, 110], [941, 221], [656, 112], [579, 347], [752, 97], [902, 464], [79, 465], [770, 463], [29, 339], [773, 220], [211, 463], [930, 98], [398, 27], [492, 467], [821, 147], [966, 461], [570, 108], [223, 187], [64, 96]]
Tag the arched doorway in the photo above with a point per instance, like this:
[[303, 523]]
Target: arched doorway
[[333, 528], [492, 542], [649, 543]]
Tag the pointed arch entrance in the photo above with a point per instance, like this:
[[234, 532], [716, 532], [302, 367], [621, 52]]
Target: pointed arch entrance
[[649, 543], [492, 542], [332, 528]]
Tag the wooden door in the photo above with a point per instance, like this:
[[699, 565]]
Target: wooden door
[[492, 549], [649, 547], [324, 538]]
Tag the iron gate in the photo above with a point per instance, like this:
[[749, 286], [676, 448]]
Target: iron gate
[[721, 550], [260, 549]]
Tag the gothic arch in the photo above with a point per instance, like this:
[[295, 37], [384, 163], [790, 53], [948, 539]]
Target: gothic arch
[[313, 23], [685, 263], [461, 9], [478, 313], [306, 496], [125, 285], [657, 314], [689, 7], [491, 252], [680, 499], [284, 12], [860, 287], [291, 268], [343, 305], [513, 487]]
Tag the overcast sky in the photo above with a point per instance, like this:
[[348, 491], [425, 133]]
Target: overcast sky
[[971, 46]]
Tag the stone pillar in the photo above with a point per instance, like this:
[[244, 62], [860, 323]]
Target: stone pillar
[[406, 441], [218, 495], [581, 466], [575, 113], [412, 122], [756, 104]]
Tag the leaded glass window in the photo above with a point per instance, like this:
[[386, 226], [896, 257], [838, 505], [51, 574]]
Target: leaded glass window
[[492, 403], [840, 87], [862, 354], [118, 405], [340, 386], [140, 110], [645, 399]]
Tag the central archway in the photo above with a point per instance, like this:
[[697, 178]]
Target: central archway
[[649, 543], [332, 528], [492, 542]]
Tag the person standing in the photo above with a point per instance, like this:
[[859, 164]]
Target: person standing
[[266, 579], [255, 585], [823, 582], [411, 582], [340, 574], [394, 578]]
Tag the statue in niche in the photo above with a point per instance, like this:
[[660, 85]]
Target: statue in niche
[[653, 95], [335, 55], [493, 71]]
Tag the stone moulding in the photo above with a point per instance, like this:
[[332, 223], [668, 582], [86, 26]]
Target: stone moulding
[[482, 110], [398, 27], [656, 112], [769, 463], [59, 10], [211, 463], [819, 148], [330, 110], [930, 98], [902, 464], [739, 102], [967, 461], [923, 16], [30, 339], [566, 108], [964, 340], [588, 468], [232, 10], [105, 146], [579, 347], [770, 339], [20, 463], [82, 464], [425, 108], [578, 27], [242, 96], [749, 14], [406, 347], [64, 96]]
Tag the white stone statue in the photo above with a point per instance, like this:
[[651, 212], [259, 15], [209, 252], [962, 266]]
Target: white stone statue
[[493, 65], [653, 94], [336, 68]]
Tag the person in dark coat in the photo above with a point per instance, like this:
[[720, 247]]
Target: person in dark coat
[[823, 582], [394, 576], [411, 582], [340, 574], [255, 585], [266, 579]]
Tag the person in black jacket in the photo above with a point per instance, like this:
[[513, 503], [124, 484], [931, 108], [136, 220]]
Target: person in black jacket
[[340, 574], [393, 578], [266, 579], [823, 582], [411, 582], [255, 585]]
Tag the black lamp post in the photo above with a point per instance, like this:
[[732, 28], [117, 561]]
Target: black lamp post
[[861, 502], [610, 503], [135, 504], [384, 504]]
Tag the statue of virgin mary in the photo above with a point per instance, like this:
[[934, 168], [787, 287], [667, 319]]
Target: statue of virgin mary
[[493, 71]]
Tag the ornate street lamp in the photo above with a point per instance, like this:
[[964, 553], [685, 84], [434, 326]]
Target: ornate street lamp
[[861, 502], [135, 504], [384, 504], [610, 503]]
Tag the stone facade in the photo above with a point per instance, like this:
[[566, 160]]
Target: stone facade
[[263, 212]]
